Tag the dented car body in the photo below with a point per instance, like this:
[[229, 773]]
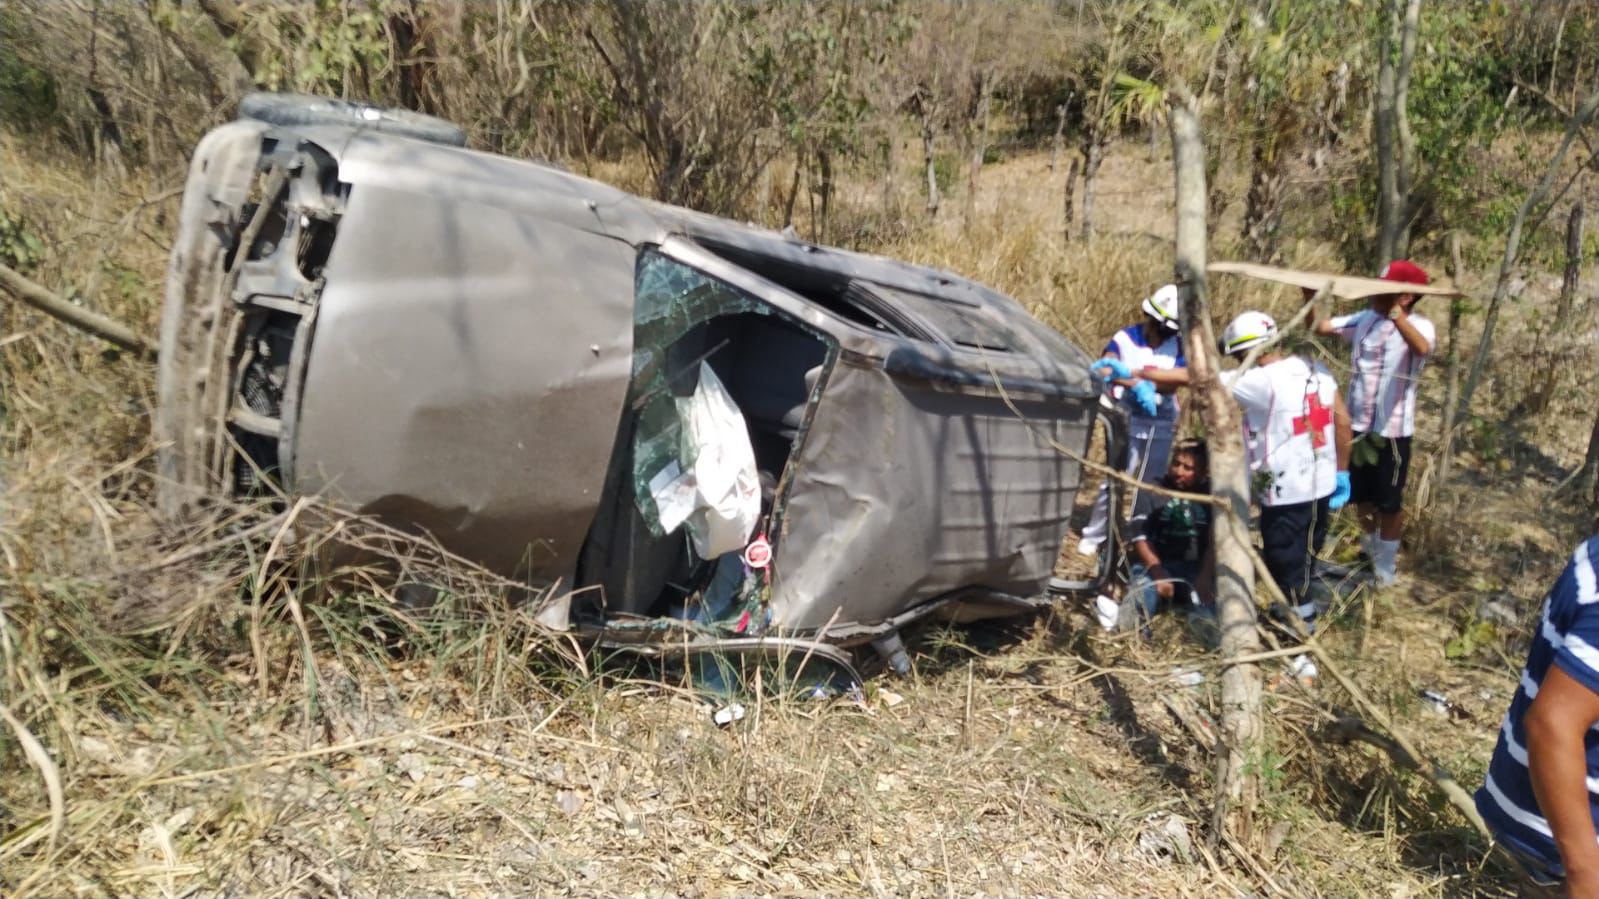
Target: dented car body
[[497, 353]]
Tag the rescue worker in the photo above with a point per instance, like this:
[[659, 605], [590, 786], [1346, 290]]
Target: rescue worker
[[1151, 408], [1297, 434]]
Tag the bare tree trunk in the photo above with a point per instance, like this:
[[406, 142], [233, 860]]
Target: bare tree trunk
[[932, 171], [1588, 481], [1071, 191], [1554, 56], [793, 190], [1407, 140], [1451, 367], [413, 56], [1537, 400], [890, 160], [1390, 127], [985, 87], [1383, 128], [823, 227], [763, 193], [1507, 264], [1093, 155], [1060, 134], [1236, 785]]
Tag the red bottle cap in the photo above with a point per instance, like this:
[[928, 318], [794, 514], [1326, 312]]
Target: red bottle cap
[[759, 553]]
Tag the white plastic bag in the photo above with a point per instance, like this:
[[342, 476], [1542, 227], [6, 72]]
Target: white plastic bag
[[718, 457]]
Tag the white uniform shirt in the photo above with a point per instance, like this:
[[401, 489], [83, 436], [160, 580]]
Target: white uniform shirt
[[1136, 353], [1288, 428], [1382, 390]]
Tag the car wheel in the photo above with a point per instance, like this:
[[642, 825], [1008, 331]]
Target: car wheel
[[302, 109]]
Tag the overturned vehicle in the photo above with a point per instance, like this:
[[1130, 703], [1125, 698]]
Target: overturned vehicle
[[709, 434]]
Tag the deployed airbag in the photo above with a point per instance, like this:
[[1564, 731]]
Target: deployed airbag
[[712, 486]]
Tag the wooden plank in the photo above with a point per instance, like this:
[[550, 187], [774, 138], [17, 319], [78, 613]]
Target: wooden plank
[[1344, 287]]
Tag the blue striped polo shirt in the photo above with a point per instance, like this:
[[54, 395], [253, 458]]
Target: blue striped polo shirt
[[1568, 636]]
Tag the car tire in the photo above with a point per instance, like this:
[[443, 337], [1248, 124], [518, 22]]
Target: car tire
[[303, 109]]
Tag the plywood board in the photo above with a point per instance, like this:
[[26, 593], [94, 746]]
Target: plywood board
[[1345, 287]]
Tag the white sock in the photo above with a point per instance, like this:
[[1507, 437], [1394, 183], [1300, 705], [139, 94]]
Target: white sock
[[1386, 560]]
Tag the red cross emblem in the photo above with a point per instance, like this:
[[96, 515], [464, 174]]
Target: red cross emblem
[[1315, 420]]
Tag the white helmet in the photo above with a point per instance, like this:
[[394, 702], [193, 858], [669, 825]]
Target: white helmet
[[1249, 330], [1162, 307]]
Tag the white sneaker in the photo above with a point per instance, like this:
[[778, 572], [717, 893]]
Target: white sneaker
[[1088, 546], [1107, 610]]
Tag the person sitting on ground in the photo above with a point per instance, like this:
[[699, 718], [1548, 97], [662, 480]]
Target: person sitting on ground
[[1169, 537], [1152, 345], [1541, 795], [1297, 438], [1389, 345]]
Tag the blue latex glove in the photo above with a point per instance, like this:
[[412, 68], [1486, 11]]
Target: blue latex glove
[[1111, 368], [1340, 494], [1147, 399]]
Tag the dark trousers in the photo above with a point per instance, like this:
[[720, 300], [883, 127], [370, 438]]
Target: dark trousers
[[1291, 536]]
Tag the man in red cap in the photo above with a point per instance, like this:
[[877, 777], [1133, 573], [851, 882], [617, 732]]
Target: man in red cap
[[1389, 344]]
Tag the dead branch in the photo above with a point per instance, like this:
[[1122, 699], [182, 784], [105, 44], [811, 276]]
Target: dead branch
[[1347, 729], [58, 307], [1435, 773], [1559, 108], [1513, 251]]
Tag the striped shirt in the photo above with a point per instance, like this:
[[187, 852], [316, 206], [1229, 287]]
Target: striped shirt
[[1568, 636], [1382, 391]]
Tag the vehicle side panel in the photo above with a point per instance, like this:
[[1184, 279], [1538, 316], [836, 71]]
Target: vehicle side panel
[[467, 375]]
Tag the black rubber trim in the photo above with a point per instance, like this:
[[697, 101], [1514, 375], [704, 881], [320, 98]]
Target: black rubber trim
[[919, 366]]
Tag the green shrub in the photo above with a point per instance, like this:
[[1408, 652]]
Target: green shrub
[[29, 97], [20, 248]]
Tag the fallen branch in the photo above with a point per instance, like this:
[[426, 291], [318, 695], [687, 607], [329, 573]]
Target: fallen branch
[[1202, 729], [1347, 729], [1436, 774], [58, 307], [1512, 255]]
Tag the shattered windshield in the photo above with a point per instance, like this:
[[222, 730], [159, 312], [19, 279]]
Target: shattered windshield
[[671, 301]]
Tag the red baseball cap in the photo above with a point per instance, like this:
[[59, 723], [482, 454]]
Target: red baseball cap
[[1405, 272]]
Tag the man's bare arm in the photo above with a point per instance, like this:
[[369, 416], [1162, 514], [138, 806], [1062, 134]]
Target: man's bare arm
[[1343, 431], [1556, 723], [1414, 339], [1166, 380]]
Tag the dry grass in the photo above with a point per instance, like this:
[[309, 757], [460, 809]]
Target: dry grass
[[217, 726]]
